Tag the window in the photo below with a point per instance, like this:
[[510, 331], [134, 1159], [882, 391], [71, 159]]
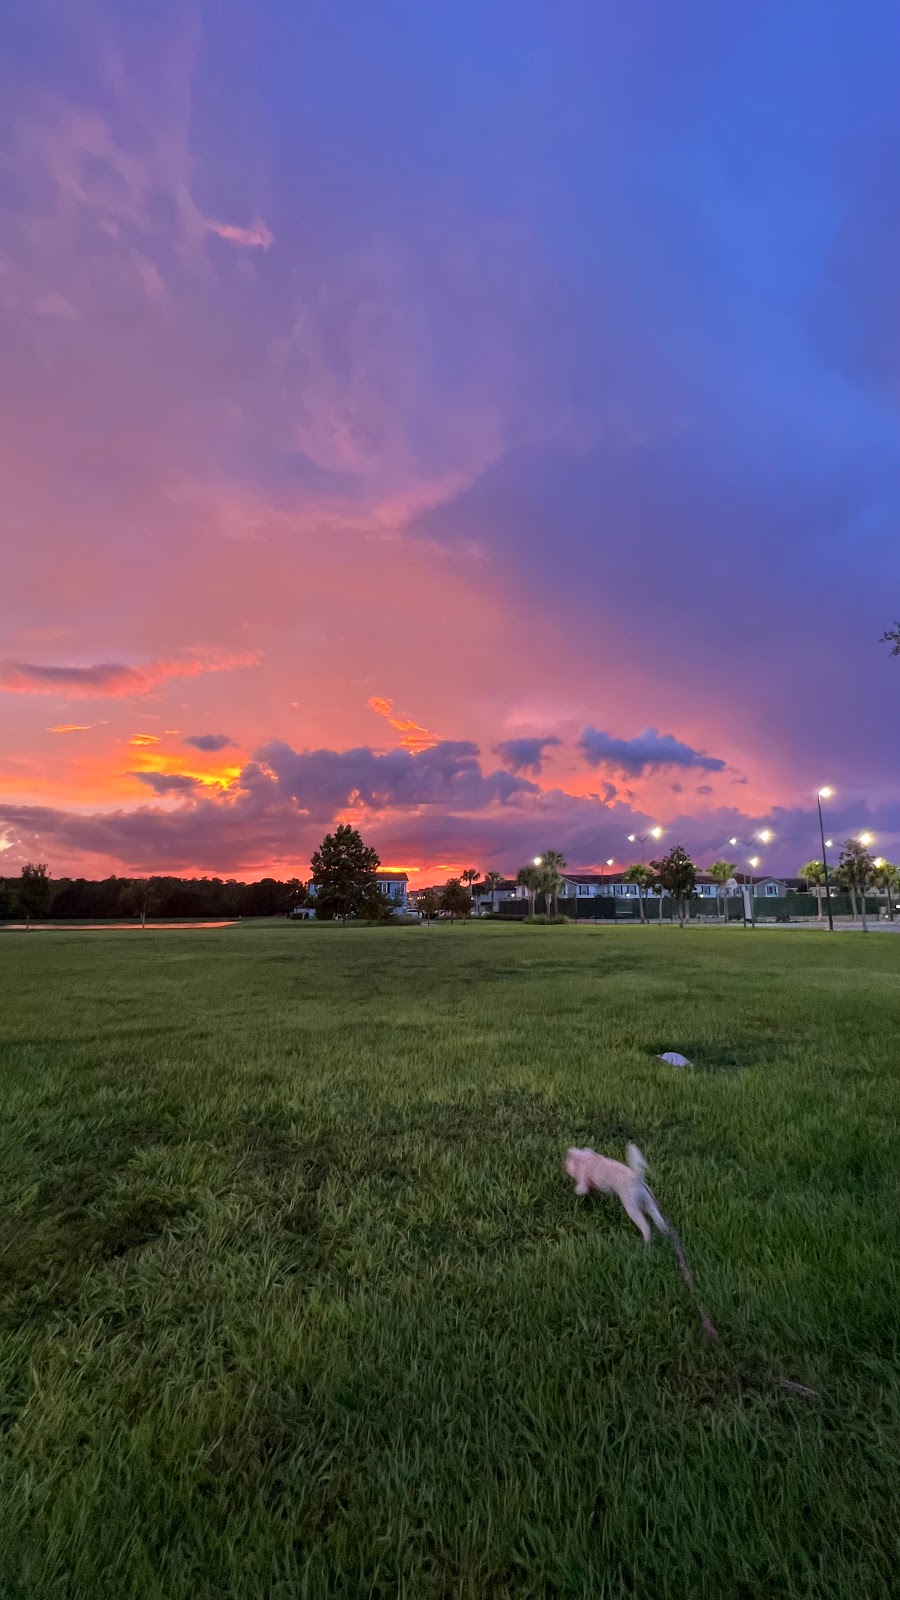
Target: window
[[772, 889]]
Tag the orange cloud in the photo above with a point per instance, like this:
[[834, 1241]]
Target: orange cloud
[[143, 738], [76, 727], [415, 737]]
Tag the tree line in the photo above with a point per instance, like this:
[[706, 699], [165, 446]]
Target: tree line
[[35, 894], [344, 886]]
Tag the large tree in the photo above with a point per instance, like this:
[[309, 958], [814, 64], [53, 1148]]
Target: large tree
[[892, 637], [643, 877], [856, 871], [455, 900], [34, 890], [722, 871], [814, 874], [676, 873], [343, 874]]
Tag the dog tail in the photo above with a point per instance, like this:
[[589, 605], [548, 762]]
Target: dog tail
[[636, 1161]]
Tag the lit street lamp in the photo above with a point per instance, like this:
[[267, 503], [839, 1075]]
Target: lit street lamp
[[766, 836], [825, 794], [641, 838]]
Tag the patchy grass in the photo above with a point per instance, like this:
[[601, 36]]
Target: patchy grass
[[296, 1300]]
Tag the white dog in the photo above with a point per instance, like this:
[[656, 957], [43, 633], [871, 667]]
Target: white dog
[[591, 1171]]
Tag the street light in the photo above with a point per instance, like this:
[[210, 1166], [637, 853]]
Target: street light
[[825, 794], [866, 838], [538, 860], [753, 861], [641, 838]]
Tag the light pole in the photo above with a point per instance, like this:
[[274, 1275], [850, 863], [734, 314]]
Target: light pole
[[641, 838], [765, 835], [825, 794]]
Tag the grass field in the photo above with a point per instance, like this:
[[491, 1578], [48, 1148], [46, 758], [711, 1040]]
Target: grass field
[[297, 1301]]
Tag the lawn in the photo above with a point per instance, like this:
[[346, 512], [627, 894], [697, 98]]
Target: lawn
[[297, 1301]]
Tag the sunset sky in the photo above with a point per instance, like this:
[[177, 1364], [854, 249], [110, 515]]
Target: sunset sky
[[479, 422]]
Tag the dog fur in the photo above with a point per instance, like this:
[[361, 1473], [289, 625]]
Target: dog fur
[[600, 1173]]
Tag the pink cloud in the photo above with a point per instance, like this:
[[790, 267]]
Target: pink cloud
[[257, 237], [109, 678]]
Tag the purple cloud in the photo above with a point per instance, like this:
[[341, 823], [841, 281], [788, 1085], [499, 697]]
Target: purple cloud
[[648, 751], [208, 741], [524, 755], [447, 774], [168, 782]]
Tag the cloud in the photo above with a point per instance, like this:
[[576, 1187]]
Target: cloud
[[109, 678], [168, 782], [53, 304], [257, 237], [648, 751], [143, 738], [76, 727], [524, 755], [208, 741], [415, 737], [447, 774], [704, 788]]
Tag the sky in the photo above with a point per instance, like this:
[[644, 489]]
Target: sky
[[478, 423]]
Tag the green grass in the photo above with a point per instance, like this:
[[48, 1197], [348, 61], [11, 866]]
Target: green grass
[[296, 1299]]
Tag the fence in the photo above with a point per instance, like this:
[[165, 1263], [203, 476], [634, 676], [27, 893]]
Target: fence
[[703, 908]]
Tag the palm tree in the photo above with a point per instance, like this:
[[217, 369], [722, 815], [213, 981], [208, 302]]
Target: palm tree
[[552, 866], [887, 877], [814, 873], [856, 870], [722, 871], [643, 877], [491, 881], [530, 878], [470, 877]]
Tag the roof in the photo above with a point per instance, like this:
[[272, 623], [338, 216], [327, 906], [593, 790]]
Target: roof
[[388, 872]]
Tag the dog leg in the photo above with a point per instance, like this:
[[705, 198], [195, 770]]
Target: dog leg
[[632, 1203]]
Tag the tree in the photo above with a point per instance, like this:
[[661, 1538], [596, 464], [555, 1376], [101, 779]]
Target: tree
[[887, 877], [892, 637], [343, 873], [470, 877], [427, 904], [856, 871], [677, 873], [643, 877], [814, 873], [34, 890], [530, 879], [492, 881], [142, 897], [551, 869], [722, 871], [455, 899]]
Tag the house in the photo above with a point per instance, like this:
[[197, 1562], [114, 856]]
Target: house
[[485, 900], [391, 885], [585, 884]]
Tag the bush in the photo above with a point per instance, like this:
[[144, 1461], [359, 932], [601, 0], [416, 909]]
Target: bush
[[543, 921]]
